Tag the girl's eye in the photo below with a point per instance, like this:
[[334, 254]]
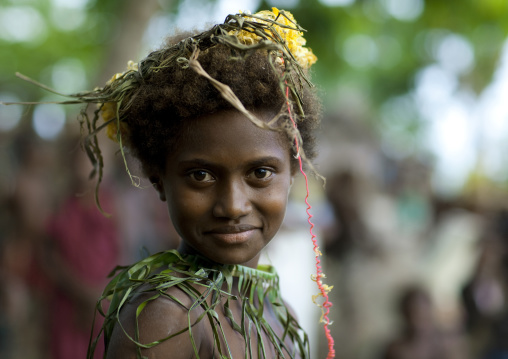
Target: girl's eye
[[262, 173], [201, 176]]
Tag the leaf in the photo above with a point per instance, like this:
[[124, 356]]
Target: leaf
[[140, 307], [205, 283]]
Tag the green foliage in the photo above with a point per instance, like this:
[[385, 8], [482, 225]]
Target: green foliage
[[208, 286], [483, 23], [88, 43]]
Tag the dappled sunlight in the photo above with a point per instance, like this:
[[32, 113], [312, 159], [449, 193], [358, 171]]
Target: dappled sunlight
[[68, 76], [10, 115], [48, 120], [22, 24]]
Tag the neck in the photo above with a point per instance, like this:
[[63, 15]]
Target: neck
[[185, 248], [253, 263]]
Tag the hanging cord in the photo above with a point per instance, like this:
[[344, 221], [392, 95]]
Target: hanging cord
[[323, 288]]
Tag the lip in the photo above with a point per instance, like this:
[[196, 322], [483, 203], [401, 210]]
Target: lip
[[235, 234]]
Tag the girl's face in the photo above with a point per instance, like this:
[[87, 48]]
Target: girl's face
[[227, 187]]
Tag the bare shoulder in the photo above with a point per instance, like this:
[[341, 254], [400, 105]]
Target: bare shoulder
[[290, 310], [166, 315]]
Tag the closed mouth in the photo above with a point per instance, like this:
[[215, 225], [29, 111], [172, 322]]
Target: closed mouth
[[232, 229], [233, 235]]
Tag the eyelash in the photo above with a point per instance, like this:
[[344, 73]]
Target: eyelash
[[192, 175], [267, 170], [251, 175]]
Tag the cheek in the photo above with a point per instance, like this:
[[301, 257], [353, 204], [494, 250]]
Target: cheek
[[186, 209], [275, 203]]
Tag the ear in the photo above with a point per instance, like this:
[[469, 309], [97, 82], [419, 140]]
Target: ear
[[159, 187]]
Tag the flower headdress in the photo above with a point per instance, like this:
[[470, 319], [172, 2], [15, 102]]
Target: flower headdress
[[276, 31]]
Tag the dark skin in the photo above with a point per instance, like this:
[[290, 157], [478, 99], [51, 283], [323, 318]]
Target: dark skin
[[227, 188]]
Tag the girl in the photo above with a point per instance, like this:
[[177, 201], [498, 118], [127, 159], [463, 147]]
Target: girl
[[219, 122]]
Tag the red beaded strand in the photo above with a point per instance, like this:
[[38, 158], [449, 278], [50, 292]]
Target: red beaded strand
[[319, 273]]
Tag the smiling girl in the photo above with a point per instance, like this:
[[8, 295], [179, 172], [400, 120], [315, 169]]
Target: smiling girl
[[210, 117], [219, 122]]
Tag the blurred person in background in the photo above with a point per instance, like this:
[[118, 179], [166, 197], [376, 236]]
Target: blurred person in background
[[346, 236], [56, 248], [348, 230], [420, 336], [25, 208], [81, 249], [484, 296]]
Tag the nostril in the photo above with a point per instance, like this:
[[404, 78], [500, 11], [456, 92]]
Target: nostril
[[231, 210]]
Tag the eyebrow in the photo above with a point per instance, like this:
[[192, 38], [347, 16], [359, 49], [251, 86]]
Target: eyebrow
[[254, 163]]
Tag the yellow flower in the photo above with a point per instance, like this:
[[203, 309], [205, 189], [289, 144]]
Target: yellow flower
[[315, 297], [318, 252], [108, 110], [293, 38], [132, 66], [327, 288]]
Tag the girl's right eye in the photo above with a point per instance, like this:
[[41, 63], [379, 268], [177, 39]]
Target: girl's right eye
[[201, 176]]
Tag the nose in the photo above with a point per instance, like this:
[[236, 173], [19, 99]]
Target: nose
[[232, 200]]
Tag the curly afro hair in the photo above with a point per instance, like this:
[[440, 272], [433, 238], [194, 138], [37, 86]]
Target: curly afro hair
[[167, 99]]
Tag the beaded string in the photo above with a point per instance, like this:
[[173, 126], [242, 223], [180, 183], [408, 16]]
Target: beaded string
[[319, 273]]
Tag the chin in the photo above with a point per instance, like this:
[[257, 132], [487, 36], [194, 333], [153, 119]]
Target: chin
[[232, 259], [229, 255]]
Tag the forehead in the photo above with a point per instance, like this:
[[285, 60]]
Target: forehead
[[228, 133]]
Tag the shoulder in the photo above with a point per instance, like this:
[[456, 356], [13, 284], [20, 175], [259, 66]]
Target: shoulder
[[158, 317], [290, 310]]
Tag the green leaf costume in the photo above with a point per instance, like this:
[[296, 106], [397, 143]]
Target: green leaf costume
[[210, 286]]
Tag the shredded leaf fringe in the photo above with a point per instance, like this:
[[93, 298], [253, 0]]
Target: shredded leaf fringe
[[211, 287]]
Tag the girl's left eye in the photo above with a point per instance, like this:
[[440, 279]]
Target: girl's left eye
[[201, 176], [262, 173]]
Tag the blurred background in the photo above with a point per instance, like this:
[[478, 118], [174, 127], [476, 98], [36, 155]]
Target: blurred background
[[413, 222]]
